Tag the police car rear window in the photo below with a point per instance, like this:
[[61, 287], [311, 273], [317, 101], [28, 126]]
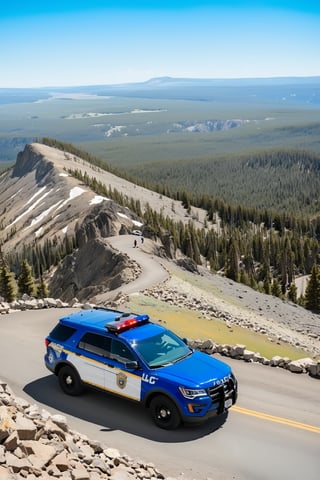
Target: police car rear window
[[61, 333]]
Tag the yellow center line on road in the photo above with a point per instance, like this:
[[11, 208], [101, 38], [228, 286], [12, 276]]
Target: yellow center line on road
[[272, 418]]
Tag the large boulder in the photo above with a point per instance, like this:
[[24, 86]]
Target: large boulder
[[300, 366]]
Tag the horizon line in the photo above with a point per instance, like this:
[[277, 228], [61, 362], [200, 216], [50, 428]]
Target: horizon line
[[168, 78]]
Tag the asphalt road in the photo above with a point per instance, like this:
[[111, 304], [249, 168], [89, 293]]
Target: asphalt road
[[152, 272], [272, 433]]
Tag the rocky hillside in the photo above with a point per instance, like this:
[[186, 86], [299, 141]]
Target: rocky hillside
[[41, 201]]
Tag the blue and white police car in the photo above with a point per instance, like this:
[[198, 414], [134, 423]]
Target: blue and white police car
[[128, 355]]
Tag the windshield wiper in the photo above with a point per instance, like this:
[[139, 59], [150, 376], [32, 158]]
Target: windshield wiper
[[162, 365], [183, 357], [167, 364]]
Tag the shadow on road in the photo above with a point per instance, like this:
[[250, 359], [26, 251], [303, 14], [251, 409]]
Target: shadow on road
[[114, 413]]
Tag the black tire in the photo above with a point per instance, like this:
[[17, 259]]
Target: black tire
[[164, 412], [69, 381]]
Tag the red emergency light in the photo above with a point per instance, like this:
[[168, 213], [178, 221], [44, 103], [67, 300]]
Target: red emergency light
[[123, 324]]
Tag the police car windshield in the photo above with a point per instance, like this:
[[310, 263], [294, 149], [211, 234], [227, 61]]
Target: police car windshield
[[162, 349]]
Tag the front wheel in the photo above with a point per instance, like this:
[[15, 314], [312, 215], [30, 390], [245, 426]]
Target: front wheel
[[69, 381], [164, 413]]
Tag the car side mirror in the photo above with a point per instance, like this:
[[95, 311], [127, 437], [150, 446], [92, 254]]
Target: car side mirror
[[132, 365]]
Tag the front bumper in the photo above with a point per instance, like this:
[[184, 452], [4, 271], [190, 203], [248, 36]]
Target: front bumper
[[201, 409]]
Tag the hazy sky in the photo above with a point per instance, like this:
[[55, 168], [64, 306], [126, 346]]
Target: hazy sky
[[74, 42]]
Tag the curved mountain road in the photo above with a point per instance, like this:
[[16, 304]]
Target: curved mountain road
[[152, 271]]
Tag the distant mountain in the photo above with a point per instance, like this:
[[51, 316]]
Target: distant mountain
[[18, 95], [214, 82], [301, 89]]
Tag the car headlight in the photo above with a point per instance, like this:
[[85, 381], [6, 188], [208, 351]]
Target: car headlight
[[192, 393]]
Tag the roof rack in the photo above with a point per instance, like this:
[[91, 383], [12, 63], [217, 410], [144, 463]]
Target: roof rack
[[97, 307]]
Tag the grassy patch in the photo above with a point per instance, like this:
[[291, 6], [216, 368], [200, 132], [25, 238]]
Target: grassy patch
[[189, 324]]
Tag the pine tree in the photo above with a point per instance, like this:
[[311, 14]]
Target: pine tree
[[267, 284], [244, 277], [233, 262], [187, 247], [26, 280], [8, 289], [292, 293], [253, 282], [42, 290], [276, 288], [312, 294]]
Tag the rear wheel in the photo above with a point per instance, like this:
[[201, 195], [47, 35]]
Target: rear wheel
[[69, 381], [164, 412]]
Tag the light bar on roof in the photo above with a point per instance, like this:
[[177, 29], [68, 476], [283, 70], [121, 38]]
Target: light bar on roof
[[126, 323]]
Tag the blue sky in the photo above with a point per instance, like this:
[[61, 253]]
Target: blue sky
[[66, 42]]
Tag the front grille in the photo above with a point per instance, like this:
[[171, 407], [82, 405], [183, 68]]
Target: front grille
[[219, 393]]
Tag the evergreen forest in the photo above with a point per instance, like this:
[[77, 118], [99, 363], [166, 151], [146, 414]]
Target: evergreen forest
[[286, 181]]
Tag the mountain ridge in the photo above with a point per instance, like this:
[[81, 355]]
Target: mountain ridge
[[166, 80]]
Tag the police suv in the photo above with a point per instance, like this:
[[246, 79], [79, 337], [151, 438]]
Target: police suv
[[128, 355]]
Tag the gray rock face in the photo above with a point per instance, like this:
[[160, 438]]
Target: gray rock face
[[30, 161], [100, 221], [93, 268]]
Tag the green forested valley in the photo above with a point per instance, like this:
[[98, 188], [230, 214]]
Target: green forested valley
[[286, 181]]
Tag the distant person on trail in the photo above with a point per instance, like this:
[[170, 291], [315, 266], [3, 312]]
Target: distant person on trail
[[142, 239], [134, 243]]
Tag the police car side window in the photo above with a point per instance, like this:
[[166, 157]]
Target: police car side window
[[97, 344], [120, 352]]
